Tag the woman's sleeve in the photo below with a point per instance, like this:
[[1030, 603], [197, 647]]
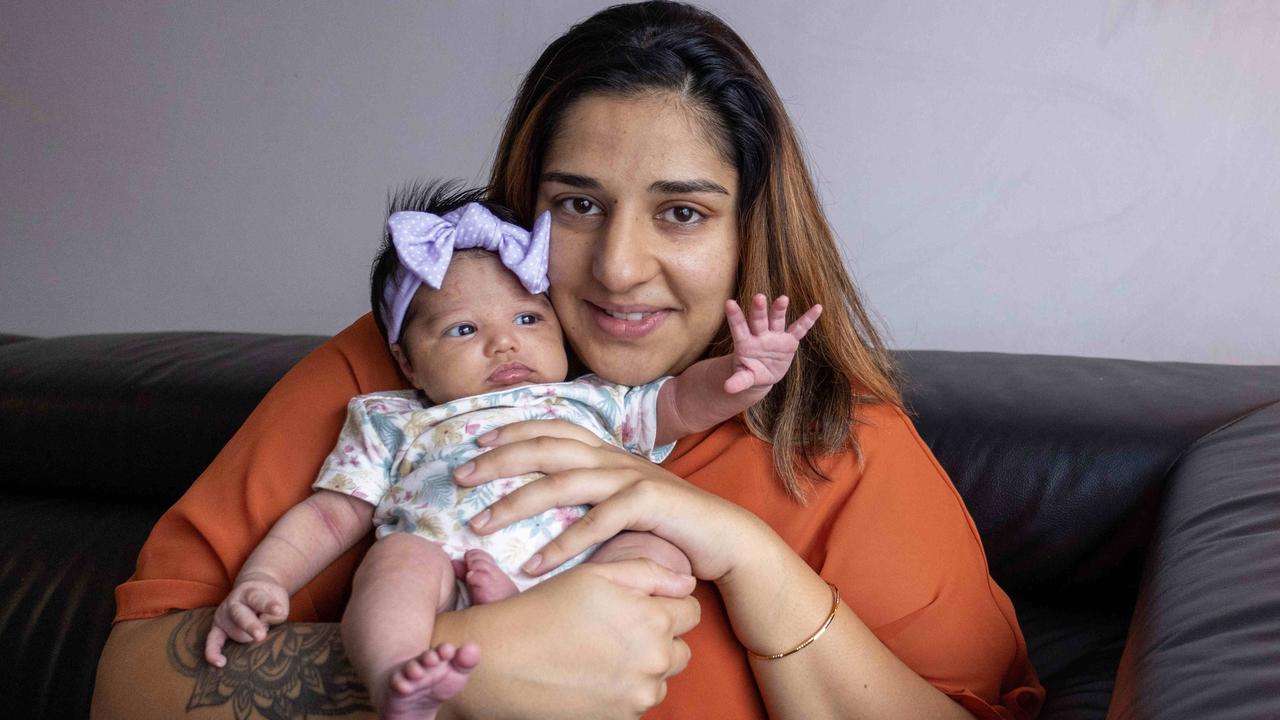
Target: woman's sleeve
[[918, 577], [198, 545]]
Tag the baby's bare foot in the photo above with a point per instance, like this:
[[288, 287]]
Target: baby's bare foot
[[485, 580], [422, 684]]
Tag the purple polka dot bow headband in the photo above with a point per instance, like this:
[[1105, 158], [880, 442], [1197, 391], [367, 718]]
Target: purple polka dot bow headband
[[425, 244]]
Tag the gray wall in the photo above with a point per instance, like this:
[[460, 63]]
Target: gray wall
[[1091, 178]]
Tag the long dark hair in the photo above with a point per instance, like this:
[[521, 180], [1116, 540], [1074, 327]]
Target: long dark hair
[[787, 247]]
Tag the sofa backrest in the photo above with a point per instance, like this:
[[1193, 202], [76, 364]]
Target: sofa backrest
[[1062, 461], [130, 417]]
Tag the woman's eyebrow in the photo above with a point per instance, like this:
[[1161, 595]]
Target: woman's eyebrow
[[662, 187], [579, 181], [684, 187]]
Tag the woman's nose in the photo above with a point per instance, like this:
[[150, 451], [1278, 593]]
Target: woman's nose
[[624, 255]]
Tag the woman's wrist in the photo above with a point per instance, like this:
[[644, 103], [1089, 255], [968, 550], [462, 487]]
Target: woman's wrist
[[773, 598], [759, 553]]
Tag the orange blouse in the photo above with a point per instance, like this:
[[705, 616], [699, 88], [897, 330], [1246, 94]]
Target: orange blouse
[[891, 532]]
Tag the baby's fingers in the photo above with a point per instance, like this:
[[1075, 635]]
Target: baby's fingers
[[804, 323], [737, 323], [213, 647], [267, 606], [778, 314], [225, 620], [247, 622], [759, 318]]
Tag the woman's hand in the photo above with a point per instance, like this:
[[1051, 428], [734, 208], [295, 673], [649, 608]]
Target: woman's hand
[[626, 492], [597, 641]]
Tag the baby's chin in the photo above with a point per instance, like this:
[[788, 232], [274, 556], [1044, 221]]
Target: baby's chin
[[489, 387]]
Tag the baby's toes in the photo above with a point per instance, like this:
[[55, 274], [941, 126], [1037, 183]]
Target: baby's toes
[[445, 651], [467, 657], [479, 560], [413, 670]]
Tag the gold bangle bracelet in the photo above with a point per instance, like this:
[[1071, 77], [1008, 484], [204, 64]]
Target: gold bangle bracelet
[[835, 605]]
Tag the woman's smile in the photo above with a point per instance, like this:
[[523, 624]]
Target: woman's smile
[[628, 321]]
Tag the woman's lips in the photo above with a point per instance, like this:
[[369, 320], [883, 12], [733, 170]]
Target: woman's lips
[[510, 373], [628, 321]]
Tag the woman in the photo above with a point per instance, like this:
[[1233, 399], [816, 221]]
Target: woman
[[675, 182]]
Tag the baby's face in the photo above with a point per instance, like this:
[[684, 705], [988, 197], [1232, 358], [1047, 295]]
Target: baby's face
[[480, 332]]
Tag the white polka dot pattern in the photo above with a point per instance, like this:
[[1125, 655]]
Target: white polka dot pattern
[[425, 243]]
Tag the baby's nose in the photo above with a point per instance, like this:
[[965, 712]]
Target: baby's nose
[[503, 342]]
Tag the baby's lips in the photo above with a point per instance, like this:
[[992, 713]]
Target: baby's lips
[[510, 373]]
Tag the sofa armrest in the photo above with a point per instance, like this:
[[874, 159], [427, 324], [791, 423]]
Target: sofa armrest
[[1205, 636]]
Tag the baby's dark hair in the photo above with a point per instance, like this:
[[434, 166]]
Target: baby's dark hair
[[436, 197]]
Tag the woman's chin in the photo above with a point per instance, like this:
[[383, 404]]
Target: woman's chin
[[629, 368], [616, 369]]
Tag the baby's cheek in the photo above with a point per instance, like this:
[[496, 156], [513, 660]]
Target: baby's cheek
[[456, 379]]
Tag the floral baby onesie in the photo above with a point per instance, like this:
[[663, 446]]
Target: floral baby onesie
[[398, 453]]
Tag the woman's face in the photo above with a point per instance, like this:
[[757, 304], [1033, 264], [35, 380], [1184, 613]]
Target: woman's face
[[644, 241]]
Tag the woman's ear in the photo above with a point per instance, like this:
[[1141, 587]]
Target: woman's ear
[[406, 368]]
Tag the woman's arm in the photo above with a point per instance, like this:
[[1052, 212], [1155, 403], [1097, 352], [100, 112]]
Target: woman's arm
[[627, 639], [773, 598], [775, 601]]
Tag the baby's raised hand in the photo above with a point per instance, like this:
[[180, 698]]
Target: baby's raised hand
[[763, 345], [244, 616]]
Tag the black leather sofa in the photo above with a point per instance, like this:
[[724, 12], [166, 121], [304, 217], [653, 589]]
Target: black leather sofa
[[1132, 510]]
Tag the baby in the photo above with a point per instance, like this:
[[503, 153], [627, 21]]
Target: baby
[[468, 324]]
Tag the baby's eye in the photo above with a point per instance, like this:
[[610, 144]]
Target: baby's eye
[[526, 319], [681, 215], [578, 206], [461, 330]]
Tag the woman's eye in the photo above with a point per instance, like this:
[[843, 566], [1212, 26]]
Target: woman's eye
[[526, 319], [579, 206], [681, 215], [461, 330]]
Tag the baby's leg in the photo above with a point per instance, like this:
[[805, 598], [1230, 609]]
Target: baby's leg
[[402, 583], [629, 545]]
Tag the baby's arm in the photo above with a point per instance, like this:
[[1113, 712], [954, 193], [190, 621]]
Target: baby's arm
[[711, 391], [302, 543]]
